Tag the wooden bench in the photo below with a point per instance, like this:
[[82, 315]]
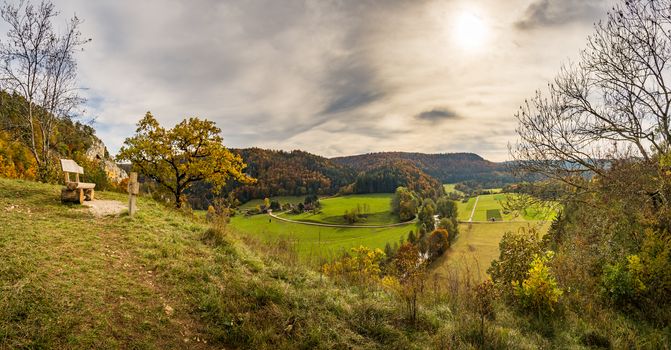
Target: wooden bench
[[75, 191]]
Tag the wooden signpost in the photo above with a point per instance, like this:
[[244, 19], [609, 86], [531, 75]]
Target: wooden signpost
[[133, 190]]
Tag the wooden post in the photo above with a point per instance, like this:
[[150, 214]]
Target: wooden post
[[133, 190]]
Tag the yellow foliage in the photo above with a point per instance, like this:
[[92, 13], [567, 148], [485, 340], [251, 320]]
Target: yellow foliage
[[539, 291], [362, 265]]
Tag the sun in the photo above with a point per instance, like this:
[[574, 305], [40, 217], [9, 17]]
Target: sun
[[470, 31]]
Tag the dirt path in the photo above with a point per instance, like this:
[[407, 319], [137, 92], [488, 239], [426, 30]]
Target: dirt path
[[100, 208], [473, 211], [338, 226]]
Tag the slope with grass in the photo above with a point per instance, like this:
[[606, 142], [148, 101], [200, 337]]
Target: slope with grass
[[69, 280], [162, 280]]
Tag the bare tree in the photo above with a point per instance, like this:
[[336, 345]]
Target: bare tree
[[38, 64], [612, 105]]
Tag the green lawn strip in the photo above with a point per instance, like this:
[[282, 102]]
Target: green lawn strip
[[494, 215]]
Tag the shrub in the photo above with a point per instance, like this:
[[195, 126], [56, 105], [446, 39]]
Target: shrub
[[361, 266], [622, 281], [483, 302], [438, 243], [517, 251], [539, 292]]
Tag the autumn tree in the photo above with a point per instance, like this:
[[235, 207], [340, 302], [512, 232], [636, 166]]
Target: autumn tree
[[425, 216], [176, 158], [38, 64], [404, 203], [408, 277], [439, 242]]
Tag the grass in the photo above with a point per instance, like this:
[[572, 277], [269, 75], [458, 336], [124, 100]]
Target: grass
[[281, 199], [489, 204], [332, 210], [494, 215], [70, 280], [157, 281], [477, 245], [313, 242], [450, 188]]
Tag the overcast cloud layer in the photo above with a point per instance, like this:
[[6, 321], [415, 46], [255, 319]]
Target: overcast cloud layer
[[330, 77]]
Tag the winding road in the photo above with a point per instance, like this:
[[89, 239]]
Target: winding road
[[271, 214]]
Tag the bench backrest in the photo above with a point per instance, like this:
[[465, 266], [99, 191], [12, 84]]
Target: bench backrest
[[70, 166]]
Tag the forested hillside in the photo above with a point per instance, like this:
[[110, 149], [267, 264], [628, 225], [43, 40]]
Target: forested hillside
[[387, 175], [281, 173], [445, 167]]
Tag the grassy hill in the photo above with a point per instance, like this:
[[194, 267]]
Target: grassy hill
[[162, 280], [69, 280]]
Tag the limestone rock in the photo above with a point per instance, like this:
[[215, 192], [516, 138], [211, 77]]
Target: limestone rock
[[98, 152]]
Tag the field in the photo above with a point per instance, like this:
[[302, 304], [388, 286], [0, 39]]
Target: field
[[449, 188], [376, 210], [314, 242], [488, 205], [281, 199], [478, 245]]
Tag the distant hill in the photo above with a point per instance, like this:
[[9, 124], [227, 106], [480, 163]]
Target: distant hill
[[294, 173], [445, 167], [385, 175]]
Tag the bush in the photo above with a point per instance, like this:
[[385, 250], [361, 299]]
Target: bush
[[622, 281], [438, 243], [539, 292], [517, 251]]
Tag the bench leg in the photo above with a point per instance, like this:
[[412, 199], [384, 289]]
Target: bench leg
[[72, 196], [88, 194]]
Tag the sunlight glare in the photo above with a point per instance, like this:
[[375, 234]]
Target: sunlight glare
[[470, 31]]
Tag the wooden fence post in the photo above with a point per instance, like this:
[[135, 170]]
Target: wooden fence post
[[133, 190]]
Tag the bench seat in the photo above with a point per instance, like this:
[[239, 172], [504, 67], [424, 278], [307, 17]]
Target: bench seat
[[79, 185], [75, 191]]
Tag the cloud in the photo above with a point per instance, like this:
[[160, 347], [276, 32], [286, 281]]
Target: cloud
[[550, 13], [329, 77], [438, 115]]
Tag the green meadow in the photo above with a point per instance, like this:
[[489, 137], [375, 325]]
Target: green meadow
[[281, 199], [375, 207], [314, 242], [491, 206]]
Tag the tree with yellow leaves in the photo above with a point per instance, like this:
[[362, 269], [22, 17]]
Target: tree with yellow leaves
[[176, 158]]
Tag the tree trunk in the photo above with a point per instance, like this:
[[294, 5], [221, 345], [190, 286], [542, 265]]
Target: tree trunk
[[72, 196], [178, 202]]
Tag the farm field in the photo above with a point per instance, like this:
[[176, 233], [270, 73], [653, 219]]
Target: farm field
[[490, 206], [376, 206], [477, 245], [314, 242], [282, 199], [449, 188]]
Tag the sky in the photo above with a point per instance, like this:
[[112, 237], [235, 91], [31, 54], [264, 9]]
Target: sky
[[330, 77]]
